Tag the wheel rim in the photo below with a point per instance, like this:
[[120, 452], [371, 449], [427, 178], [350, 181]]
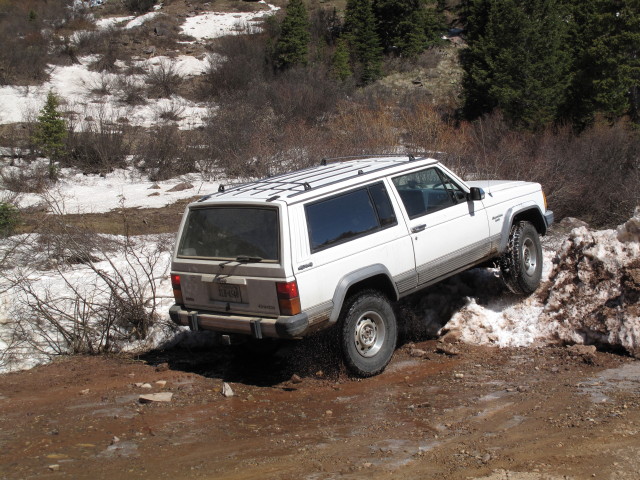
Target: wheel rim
[[529, 257], [369, 334]]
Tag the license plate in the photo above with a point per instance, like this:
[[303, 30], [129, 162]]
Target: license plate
[[229, 293]]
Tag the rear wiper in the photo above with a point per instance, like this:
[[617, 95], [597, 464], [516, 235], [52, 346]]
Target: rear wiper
[[248, 259]]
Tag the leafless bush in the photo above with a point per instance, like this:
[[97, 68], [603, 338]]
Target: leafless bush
[[237, 63], [103, 84], [25, 177], [100, 144], [163, 78], [130, 90], [97, 294], [170, 111], [165, 152]]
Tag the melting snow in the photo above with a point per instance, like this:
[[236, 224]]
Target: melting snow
[[216, 24]]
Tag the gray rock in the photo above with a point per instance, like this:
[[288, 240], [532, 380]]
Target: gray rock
[[180, 187]]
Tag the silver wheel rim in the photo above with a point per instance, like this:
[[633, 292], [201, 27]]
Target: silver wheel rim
[[529, 257], [369, 334]]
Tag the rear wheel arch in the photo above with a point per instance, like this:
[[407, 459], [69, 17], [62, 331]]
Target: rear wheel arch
[[374, 277]]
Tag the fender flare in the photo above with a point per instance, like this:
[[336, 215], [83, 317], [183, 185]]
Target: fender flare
[[353, 278], [512, 213]]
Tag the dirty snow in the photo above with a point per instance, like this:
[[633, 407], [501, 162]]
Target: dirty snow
[[589, 296]]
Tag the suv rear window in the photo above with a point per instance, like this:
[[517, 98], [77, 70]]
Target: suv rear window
[[347, 216], [226, 233]]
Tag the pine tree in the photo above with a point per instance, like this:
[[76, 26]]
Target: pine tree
[[340, 61], [360, 33], [606, 65], [292, 47], [51, 133], [517, 60], [407, 27]]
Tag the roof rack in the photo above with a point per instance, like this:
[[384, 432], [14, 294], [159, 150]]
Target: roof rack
[[326, 161], [291, 183]]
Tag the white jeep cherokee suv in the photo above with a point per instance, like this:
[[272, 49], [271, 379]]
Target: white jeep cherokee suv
[[336, 244]]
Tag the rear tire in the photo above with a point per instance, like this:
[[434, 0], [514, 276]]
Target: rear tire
[[368, 333], [521, 264]]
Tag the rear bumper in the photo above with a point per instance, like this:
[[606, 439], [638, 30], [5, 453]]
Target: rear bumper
[[257, 327]]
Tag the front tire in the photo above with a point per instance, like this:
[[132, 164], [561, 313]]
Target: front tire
[[368, 333], [521, 264]]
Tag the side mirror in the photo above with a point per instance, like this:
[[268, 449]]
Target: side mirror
[[475, 194]]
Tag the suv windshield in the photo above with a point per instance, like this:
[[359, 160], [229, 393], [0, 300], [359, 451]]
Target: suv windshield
[[231, 233]]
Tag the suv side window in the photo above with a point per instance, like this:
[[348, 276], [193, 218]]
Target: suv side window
[[347, 216], [427, 191]]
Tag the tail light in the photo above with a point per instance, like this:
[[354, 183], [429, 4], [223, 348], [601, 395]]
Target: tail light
[[177, 288], [288, 298], [544, 197]]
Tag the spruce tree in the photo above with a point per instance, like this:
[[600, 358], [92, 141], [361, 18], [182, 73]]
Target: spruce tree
[[50, 133], [517, 60], [407, 27], [292, 47], [360, 33], [340, 62], [606, 65]]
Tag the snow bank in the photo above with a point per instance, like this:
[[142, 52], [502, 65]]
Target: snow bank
[[590, 296], [594, 292]]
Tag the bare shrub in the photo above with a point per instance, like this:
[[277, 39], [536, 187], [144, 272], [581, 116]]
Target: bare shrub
[[27, 180], [97, 293], [104, 84], [163, 78], [170, 111], [165, 152], [100, 144], [237, 63], [130, 90]]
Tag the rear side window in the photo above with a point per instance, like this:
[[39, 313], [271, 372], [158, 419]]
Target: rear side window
[[226, 233], [348, 216]]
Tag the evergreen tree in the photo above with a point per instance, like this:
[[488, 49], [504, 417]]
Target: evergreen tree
[[517, 60], [407, 27], [340, 62], [360, 33], [292, 47], [50, 133], [606, 65]]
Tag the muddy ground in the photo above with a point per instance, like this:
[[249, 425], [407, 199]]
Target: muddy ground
[[440, 410]]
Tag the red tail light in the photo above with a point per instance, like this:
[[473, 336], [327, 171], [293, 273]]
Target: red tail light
[[288, 298], [177, 288]]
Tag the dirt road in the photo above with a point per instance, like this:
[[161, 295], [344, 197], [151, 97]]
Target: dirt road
[[438, 411]]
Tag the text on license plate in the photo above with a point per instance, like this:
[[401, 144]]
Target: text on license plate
[[229, 293]]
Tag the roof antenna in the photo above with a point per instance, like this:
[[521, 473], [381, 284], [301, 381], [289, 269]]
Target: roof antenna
[[412, 158], [221, 188], [323, 162]]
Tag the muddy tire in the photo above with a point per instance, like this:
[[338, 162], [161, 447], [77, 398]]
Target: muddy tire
[[368, 333], [521, 264]]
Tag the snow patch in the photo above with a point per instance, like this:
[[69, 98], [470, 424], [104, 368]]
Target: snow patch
[[216, 24]]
